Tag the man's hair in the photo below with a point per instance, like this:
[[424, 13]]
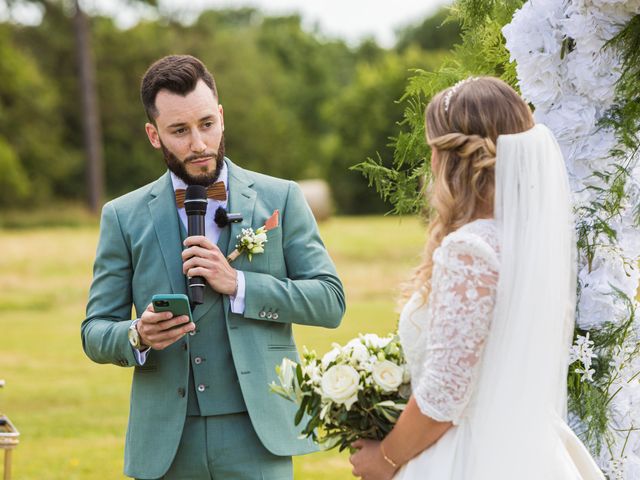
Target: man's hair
[[176, 73]]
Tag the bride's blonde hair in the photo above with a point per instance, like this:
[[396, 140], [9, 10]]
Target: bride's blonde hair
[[463, 123]]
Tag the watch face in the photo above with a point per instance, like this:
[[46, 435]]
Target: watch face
[[134, 338]]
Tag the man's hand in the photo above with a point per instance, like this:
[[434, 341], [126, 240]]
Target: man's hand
[[369, 463], [202, 258], [159, 330]]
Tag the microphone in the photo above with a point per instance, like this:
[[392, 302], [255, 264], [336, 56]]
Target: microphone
[[222, 218], [195, 204]]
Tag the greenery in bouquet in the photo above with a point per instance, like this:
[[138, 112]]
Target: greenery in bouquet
[[353, 391]]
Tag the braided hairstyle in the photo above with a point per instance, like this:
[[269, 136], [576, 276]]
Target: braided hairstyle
[[463, 124]]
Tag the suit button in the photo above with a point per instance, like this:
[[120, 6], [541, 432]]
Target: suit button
[[201, 387], [192, 333], [181, 392], [197, 360], [275, 316], [262, 314], [269, 315]]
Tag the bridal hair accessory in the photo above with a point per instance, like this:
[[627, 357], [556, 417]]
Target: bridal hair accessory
[[454, 89], [222, 218], [251, 241]]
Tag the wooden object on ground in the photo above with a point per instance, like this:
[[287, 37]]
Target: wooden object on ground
[[9, 439]]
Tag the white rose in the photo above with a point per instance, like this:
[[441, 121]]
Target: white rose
[[340, 384], [330, 356], [359, 353], [375, 341], [387, 375]]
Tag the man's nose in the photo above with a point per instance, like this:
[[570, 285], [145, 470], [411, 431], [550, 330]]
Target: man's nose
[[197, 142]]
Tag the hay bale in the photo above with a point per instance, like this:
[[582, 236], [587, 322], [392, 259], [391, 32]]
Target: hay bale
[[318, 195]]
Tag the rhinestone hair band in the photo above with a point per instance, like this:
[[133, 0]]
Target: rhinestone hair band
[[454, 89]]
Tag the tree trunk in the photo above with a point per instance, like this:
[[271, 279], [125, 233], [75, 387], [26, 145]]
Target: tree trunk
[[90, 112]]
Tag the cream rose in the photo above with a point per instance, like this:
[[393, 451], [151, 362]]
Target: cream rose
[[340, 384], [387, 375]]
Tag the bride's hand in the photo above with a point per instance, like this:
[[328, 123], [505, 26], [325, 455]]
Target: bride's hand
[[368, 461]]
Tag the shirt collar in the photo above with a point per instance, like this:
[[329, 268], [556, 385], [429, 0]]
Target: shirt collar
[[223, 177]]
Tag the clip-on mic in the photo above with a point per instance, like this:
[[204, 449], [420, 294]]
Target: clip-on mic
[[222, 218]]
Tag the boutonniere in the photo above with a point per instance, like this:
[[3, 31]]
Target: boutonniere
[[252, 242]]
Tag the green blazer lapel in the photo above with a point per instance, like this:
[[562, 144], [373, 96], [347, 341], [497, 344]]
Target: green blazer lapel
[[242, 199], [166, 222]]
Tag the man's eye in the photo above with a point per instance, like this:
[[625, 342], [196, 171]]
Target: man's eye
[[208, 124], [180, 131]]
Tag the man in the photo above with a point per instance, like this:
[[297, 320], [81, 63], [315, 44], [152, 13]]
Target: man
[[200, 402]]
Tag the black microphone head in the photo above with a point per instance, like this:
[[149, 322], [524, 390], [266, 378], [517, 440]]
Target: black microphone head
[[195, 201]]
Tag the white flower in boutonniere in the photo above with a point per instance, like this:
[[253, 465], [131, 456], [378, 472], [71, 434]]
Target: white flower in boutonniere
[[251, 241]]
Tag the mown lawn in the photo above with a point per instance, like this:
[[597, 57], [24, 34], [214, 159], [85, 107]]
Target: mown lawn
[[72, 413]]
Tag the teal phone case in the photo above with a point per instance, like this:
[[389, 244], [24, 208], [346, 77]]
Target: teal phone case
[[176, 303]]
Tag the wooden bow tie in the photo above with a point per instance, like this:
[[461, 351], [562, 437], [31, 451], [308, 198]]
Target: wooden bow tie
[[217, 191]]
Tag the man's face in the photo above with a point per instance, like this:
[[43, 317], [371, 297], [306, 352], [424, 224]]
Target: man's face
[[189, 131]]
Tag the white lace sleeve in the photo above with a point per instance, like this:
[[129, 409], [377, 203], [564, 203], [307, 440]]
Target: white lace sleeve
[[464, 279]]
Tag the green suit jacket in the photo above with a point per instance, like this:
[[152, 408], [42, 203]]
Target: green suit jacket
[[139, 255]]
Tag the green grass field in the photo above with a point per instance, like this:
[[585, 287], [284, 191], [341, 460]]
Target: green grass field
[[72, 413]]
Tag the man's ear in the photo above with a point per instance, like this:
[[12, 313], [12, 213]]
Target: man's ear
[[221, 111], [152, 134]]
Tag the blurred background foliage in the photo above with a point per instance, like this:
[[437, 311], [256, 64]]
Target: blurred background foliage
[[297, 104]]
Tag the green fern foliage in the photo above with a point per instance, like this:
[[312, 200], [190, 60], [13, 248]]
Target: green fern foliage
[[482, 51]]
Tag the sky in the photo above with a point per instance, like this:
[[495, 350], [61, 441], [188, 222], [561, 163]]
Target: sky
[[351, 20]]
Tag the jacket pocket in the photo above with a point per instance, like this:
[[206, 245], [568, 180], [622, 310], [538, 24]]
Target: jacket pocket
[[282, 347], [146, 368]]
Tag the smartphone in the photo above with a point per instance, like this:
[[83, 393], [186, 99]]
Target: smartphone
[[176, 303]]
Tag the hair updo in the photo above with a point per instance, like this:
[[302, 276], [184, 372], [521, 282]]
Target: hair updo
[[463, 123]]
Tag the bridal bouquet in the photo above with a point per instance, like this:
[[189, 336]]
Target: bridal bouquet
[[354, 391]]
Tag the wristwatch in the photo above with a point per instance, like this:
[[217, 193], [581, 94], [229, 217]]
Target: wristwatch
[[134, 336]]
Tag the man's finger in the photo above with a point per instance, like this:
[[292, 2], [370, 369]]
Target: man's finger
[[162, 339], [197, 252], [195, 262], [153, 317], [173, 322], [199, 240]]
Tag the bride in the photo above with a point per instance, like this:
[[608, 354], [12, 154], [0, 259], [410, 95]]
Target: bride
[[489, 319]]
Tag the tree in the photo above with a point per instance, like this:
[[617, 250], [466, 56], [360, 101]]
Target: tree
[[437, 32]]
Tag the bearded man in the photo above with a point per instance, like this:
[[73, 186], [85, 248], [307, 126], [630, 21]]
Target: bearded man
[[200, 402]]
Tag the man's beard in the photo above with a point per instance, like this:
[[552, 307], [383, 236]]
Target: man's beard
[[178, 167]]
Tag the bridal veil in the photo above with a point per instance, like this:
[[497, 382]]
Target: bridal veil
[[517, 422]]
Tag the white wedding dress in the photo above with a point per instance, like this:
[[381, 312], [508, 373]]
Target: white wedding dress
[[444, 339]]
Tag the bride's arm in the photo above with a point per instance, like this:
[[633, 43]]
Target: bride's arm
[[413, 433], [463, 294]]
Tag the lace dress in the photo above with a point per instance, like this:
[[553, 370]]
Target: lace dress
[[443, 340]]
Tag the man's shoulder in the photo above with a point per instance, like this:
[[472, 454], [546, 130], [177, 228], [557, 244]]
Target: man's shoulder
[[261, 179], [264, 184]]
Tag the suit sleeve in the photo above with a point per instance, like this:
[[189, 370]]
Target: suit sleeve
[[104, 330], [312, 293]]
